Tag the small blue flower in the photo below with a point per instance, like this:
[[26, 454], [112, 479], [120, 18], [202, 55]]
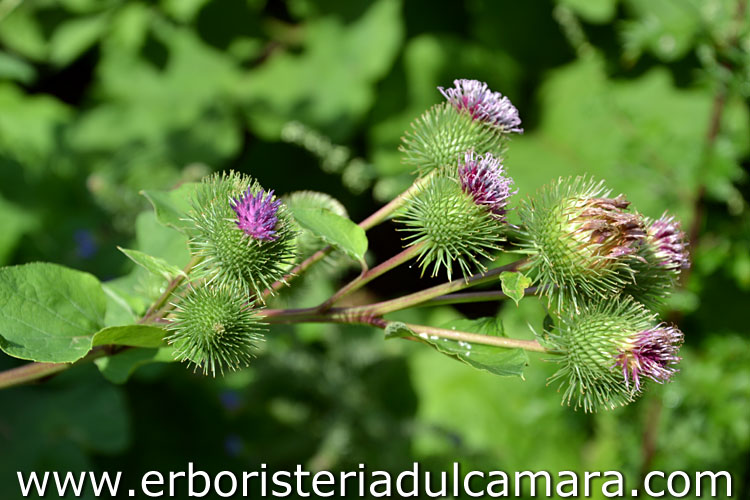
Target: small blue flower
[[483, 104], [86, 246], [257, 215], [230, 400]]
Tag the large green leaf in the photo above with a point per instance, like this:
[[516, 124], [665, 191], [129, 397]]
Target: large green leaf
[[333, 229], [48, 312], [130, 335]]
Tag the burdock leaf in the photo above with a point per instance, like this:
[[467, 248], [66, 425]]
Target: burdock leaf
[[514, 284], [48, 312], [154, 265], [497, 360], [119, 367], [130, 335], [396, 329], [333, 229]]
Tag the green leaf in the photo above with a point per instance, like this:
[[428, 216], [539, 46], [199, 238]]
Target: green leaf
[[74, 37], [333, 229], [14, 68], [396, 329], [595, 11], [344, 59], [49, 313], [171, 206], [497, 360], [155, 265], [514, 284], [130, 335], [118, 368]]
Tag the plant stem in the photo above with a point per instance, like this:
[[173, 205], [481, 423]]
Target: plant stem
[[345, 315], [363, 315], [381, 308], [476, 338], [470, 297], [154, 311], [373, 220], [386, 210], [35, 371], [369, 275]]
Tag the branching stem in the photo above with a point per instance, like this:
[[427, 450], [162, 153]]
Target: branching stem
[[373, 220], [369, 275]]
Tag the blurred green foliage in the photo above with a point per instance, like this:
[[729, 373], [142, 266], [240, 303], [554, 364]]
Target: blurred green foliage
[[100, 99]]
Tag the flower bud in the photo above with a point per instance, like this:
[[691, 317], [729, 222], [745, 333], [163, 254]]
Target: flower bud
[[243, 235], [458, 215], [214, 329], [476, 99], [482, 178], [662, 256], [668, 243], [607, 349], [473, 118], [580, 241]]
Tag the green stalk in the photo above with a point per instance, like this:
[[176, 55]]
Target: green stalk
[[411, 300], [35, 371], [477, 338], [155, 311], [471, 297], [373, 220], [371, 274]]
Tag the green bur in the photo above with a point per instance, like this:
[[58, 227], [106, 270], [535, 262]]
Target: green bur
[[588, 344], [451, 228], [214, 329], [442, 135], [227, 255]]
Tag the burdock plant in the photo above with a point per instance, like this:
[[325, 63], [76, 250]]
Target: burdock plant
[[600, 266]]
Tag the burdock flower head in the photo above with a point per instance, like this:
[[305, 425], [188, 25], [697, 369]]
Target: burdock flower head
[[580, 240], [256, 215], [602, 226], [214, 329], [473, 117], [650, 353], [668, 243], [242, 235], [482, 177], [476, 98], [662, 255], [608, 349], [457, 217]]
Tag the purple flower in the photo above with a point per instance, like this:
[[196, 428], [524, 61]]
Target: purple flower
[[651, 354], [669, 243], [482, 178], [477, 99], [257, 215], [603, 222]]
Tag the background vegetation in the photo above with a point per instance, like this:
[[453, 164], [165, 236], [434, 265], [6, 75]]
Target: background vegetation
[[100, 99]]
